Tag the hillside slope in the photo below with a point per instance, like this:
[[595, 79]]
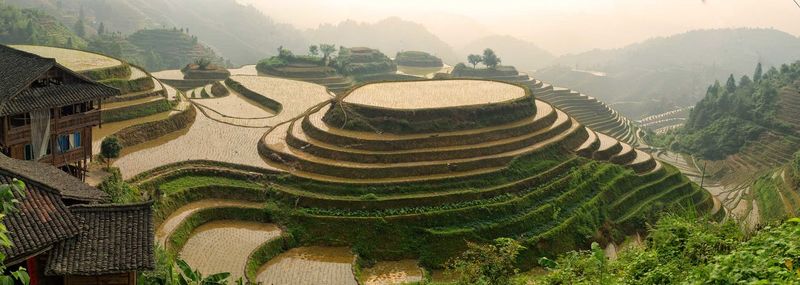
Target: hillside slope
[[30, 26], [240, 33], [664, 74], [524, 55], [745, 131]]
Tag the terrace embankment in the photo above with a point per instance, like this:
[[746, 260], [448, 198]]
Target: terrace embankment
[[585, 109], [544, 178]]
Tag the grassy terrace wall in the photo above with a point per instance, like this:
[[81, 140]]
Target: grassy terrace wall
[[426, 142], [252, 95], [551, 200], [141, 133], [417, 59], [360, 117], [131, 86], [121, 71], [136, 111]]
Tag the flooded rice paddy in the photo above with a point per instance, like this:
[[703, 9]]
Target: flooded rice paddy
[[208, 139], [244, 70], [223, 246], [174, 220], [310, 266], [433, 94], [175, 74], [72, 59], [392, 272]]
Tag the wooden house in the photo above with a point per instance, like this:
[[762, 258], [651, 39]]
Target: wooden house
[[64, 233], [47, 111]]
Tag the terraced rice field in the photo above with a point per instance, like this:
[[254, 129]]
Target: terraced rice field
[[72, 59], [244, 70], [223, 246], [208, 139], [174, 220], [433, 94], [585, 109], [426, 72], [310, 266], [392, 272], [174, 74]]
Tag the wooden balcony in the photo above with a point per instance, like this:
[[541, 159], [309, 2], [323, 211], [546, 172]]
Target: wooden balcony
[[62, 159], [22, 135]]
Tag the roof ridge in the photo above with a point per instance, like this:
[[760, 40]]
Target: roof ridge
[[112, 207]]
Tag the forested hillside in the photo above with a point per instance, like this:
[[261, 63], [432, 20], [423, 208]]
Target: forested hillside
[[239, 33], [155, 49], [664, 74], [30, 26], [736, 112]]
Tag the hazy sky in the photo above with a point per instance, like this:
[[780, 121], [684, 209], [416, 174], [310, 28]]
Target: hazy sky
[[560, 26]]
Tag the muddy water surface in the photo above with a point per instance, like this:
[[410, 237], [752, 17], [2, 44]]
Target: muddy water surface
[[392, 272], [310, 266], [170, 223], [223, 246]]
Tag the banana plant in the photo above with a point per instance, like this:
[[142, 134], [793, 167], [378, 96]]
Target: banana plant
[[191, 276], [8, 203]]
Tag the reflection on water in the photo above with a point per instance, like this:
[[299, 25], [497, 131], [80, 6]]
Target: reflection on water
[[170, 223], [310, 266], [392, 272], [223, 246]]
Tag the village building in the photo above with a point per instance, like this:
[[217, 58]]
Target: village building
[[64, 232], [47, 111]]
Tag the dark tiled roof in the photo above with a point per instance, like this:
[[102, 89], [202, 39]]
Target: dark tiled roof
[[47, 176], [55, 95], [117, 239], [40, 221], [18, 69]]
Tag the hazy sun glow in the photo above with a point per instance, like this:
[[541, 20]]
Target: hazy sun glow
[[561, 26]]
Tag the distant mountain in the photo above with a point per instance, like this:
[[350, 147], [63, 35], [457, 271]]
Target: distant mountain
[[664, 73], [390, 36], [524, 55], [239, 33]]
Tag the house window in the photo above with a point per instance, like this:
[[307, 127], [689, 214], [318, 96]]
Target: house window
[[63, 143], [28, 152], [76, 140], [20, 120]]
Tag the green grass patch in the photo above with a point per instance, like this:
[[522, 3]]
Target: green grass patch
[[187, 182], [768, 198], [137, 111]]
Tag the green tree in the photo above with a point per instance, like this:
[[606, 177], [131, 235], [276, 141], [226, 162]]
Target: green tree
[[313, 50], [80, 28], [490, 59], [284, 53], [730, 85], [8, 203], [202, 63], [487, 263], [758, 73], [327, 50], [110, 149], [101, 29], [474, 59]]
